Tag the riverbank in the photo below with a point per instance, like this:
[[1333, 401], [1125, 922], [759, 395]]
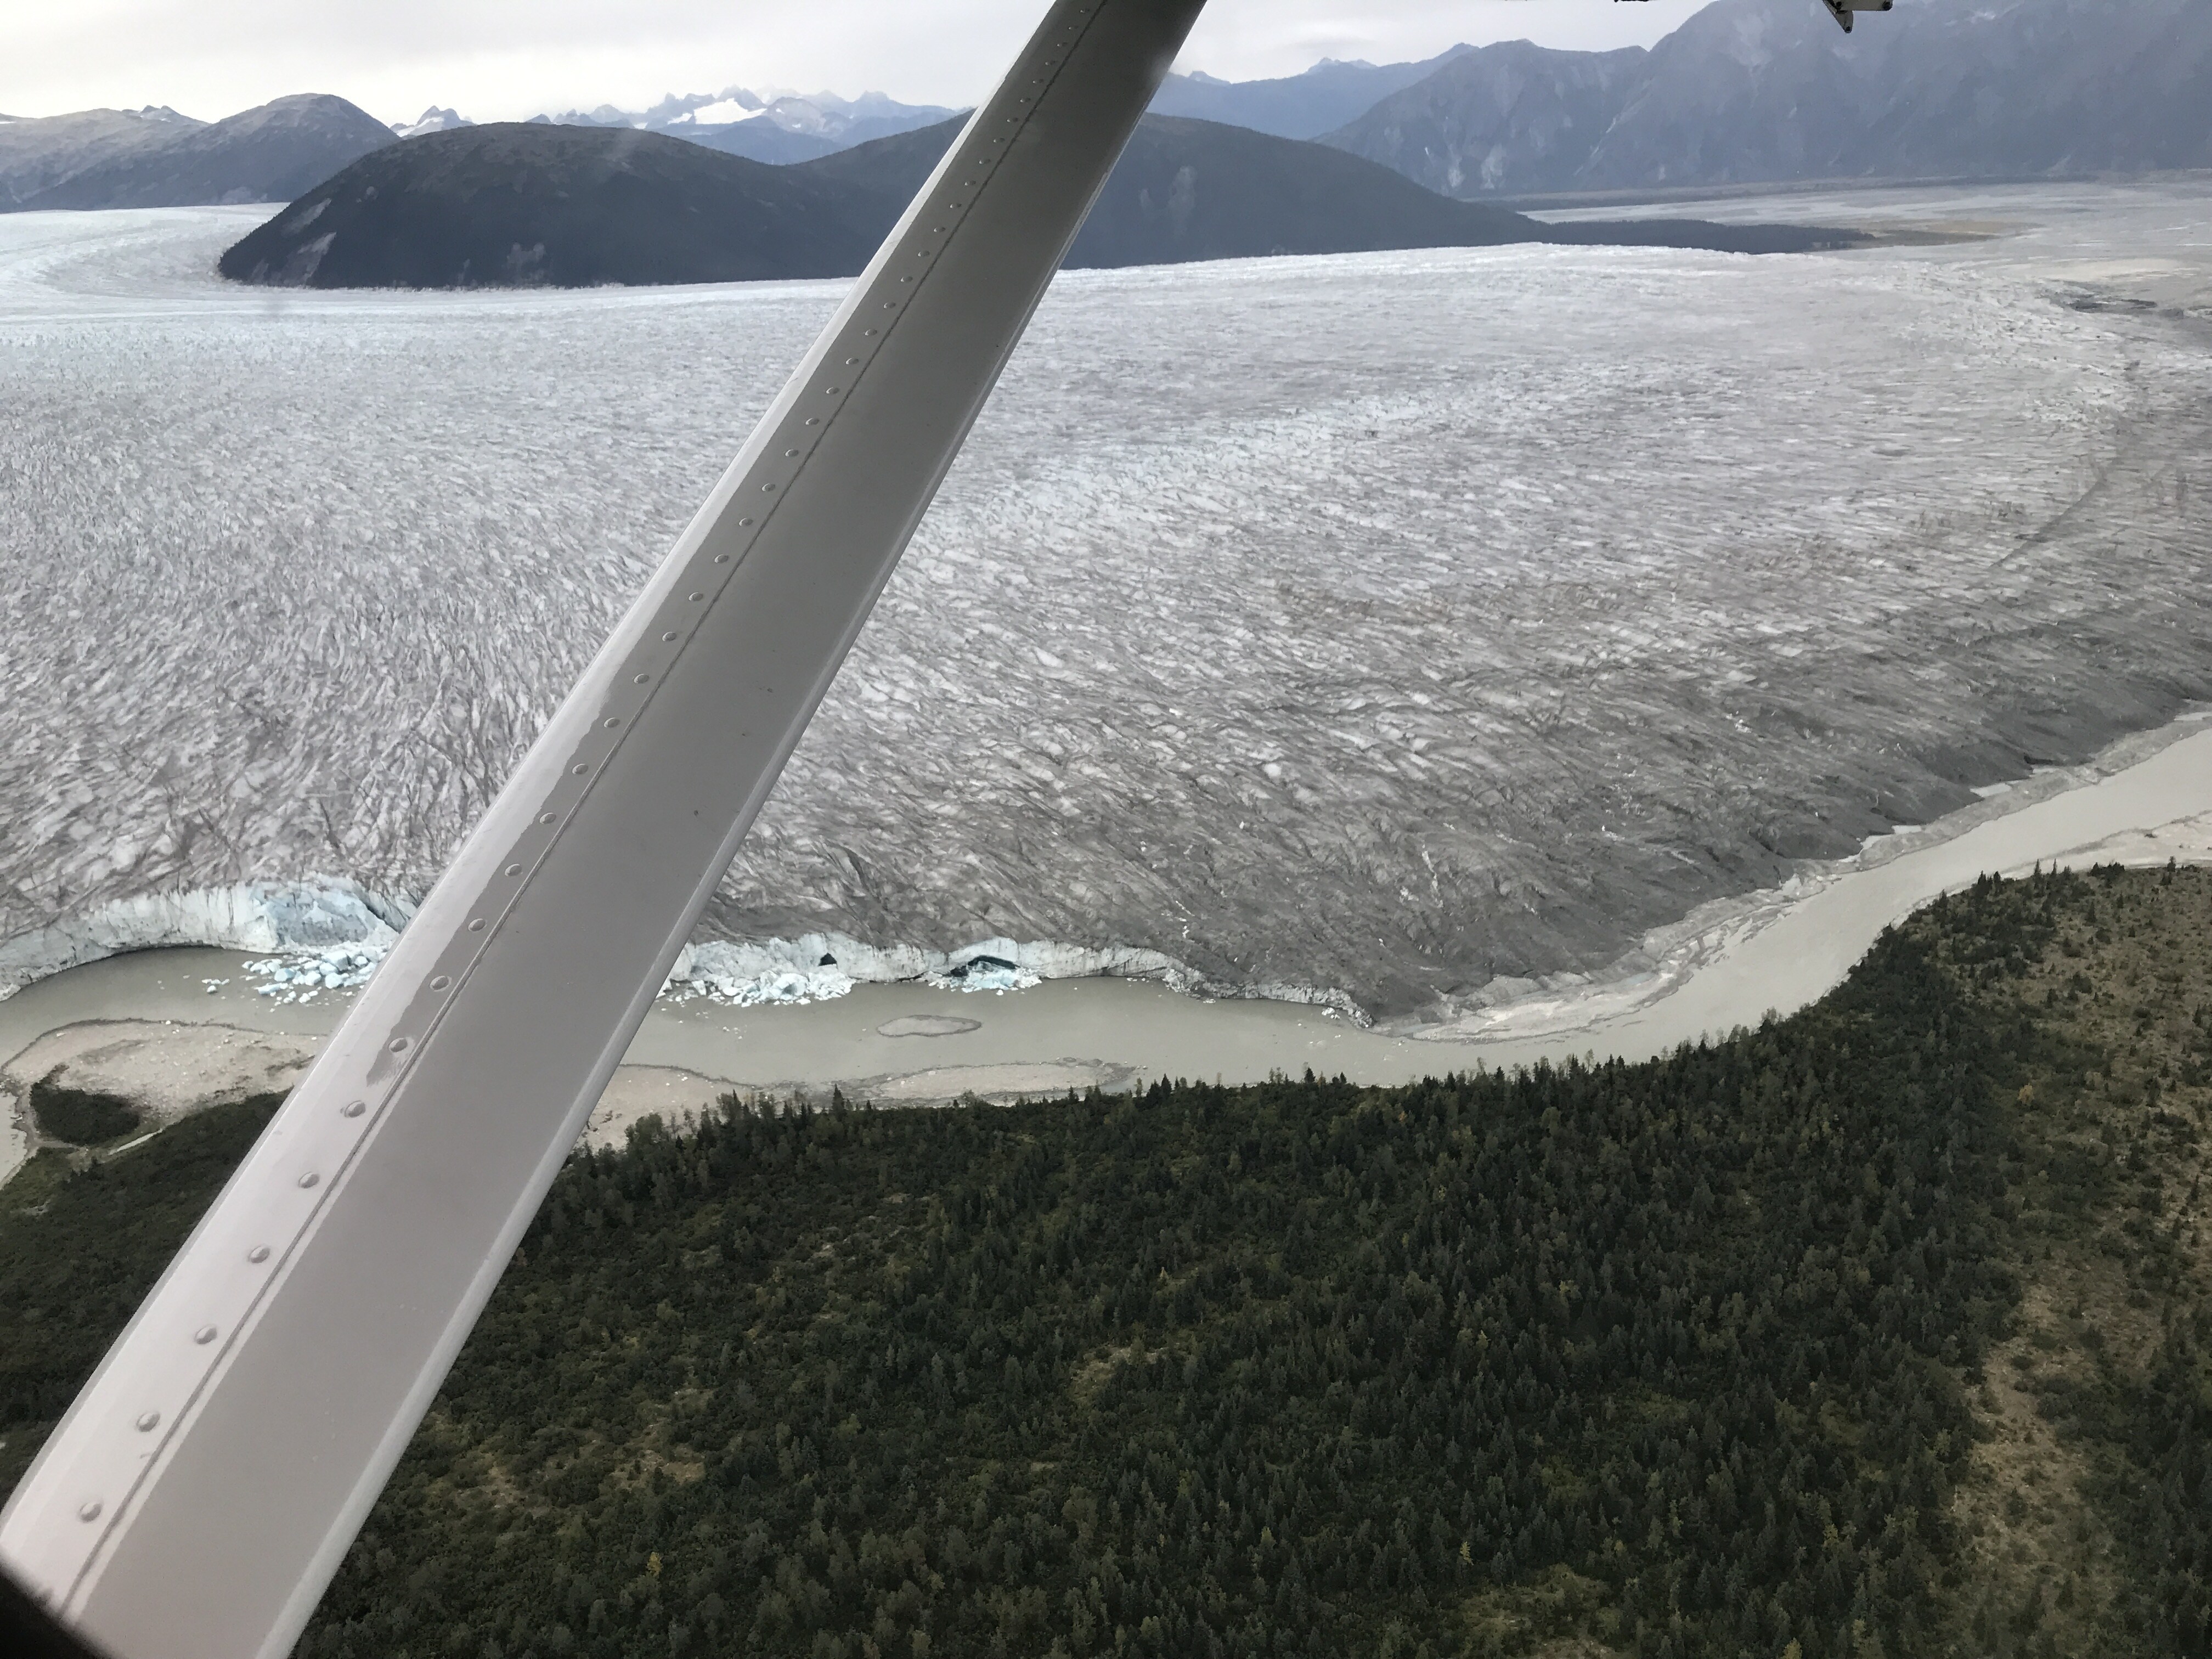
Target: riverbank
[[176, 1029]]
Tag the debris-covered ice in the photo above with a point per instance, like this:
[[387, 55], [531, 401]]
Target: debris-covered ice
[[819, 967], [986, 974], [1396, 622], [300, 976], [788, 985]]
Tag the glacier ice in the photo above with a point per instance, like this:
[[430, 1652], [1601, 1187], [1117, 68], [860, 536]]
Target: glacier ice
[[297, 921], [302, 976], [1386, 624]]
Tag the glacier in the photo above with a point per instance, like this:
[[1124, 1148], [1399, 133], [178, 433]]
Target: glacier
[[307, 938], [1392, 624], [328, 920]]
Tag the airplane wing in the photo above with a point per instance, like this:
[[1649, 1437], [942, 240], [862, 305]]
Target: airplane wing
[[201, 1492], [1841, 10]]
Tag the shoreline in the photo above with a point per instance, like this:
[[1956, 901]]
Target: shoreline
[[1670, 958], [137, 1021]]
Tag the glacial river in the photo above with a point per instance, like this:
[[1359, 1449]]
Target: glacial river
[[171, 1025]]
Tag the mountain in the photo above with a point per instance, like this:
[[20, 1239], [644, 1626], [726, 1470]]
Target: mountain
[[1509, 118], [433, 120], [1323, 98], [1187, 190], [777, 127], [520, 204], [37, 155], [1198, 190], [530, 203], [1756, 90], [763, 139], [157, 158], [1770, 90]]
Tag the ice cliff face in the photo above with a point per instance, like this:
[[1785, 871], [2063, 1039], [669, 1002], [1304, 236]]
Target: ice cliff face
[[1389, 622], [277, 917], [326, 934]]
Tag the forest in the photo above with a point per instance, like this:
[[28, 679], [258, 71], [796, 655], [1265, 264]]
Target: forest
[[1744, 1351]]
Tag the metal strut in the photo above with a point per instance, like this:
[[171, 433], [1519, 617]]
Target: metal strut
[[204, 1487]]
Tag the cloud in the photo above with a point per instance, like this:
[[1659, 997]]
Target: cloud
[[505, 59]]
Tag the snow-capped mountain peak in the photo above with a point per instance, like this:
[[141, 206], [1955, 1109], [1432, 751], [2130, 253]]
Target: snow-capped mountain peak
[[433, 120], [723, 112], [766, 124]]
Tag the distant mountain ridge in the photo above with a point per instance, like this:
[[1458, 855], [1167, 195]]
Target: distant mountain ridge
[[1744, 92], [1306, 106], [777, 127], [432, 119], [155, 157], [525, 204], [1758, 91], [279, 151]]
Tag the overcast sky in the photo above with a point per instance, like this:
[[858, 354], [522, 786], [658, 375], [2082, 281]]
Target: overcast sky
[[508, 59]]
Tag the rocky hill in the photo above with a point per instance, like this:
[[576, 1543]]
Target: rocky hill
[[158, 158], [520, 204], [526, 204], [1201, 190], [1770, 90]]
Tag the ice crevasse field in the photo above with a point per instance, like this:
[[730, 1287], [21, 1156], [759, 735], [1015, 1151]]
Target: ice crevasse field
[[1373, 629]]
